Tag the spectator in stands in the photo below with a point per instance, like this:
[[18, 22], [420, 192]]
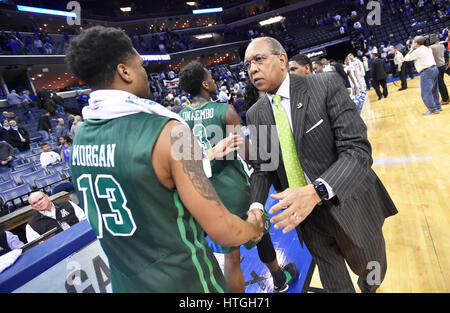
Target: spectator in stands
[[42, 96], [19, 136], [48, 48], [27, 98], [4, 131], [38, 46], [300, 65], [379, 76], [60, 129], [8, 242], [10, 115], [65, 148], [26, 104], [49, 157], [82, 99], [44, 126], [59, 101], [6, 154], [438, 54], [14, 99], [224, 96], [177, 107], [49, 104], [185, 101], [77, 122], [49, 215], [426, 66], [401, 67]]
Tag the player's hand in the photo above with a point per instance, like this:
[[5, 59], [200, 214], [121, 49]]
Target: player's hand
[[225, 146], [299, 203], [257, 220]]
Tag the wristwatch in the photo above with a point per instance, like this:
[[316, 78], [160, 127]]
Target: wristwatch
[[321, 190]]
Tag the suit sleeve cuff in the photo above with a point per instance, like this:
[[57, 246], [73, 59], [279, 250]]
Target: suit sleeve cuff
[[330, 191]]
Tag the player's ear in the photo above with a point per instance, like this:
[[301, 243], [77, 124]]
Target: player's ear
[[205, 85], [124, 72]]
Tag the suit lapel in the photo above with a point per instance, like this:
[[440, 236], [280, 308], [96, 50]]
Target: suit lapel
[[267, 112], [299, 105]]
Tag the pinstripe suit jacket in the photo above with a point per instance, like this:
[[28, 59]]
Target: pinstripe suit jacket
[[337, 150]]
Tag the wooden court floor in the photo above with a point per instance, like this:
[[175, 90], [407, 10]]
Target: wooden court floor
[[411, 156]]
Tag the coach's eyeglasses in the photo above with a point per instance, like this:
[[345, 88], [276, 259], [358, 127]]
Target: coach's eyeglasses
[[258, 60]]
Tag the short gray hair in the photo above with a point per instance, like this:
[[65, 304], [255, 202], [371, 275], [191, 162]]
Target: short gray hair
[[275, 46], [420, 40]]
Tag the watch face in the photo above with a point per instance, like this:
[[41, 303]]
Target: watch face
[[321, 190]]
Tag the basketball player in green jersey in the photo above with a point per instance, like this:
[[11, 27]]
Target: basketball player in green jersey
[[148, 206], [207, 120]]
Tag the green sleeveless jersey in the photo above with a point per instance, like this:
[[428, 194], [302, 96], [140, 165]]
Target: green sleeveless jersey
[[152, 242], [208, 123]]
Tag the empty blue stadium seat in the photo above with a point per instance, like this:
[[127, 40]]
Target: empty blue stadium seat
[[24, 154], [67, 172], [17, 175], [31, 177], [56, 168], [20, 192], [64, 186], [7, 185], [47, 180], [4, 171], [24, 166], [16, 162], [35, 158]]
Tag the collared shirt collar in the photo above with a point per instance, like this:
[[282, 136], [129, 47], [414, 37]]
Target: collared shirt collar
[[51, 213], [284, 89]]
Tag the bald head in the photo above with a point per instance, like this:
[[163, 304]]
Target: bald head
[[39, 201]]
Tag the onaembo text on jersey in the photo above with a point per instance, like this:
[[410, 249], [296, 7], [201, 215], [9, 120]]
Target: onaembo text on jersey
[[93, 155], [198, 115]]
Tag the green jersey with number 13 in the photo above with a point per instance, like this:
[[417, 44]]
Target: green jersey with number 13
[[152, 242]]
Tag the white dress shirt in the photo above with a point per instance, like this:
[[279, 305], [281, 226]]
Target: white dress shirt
[[398, 59], [32, 234], [48, 158], [284, 92], [423, 58]]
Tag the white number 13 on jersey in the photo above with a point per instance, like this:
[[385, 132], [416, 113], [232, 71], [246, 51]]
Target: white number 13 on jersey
[[119, 222]]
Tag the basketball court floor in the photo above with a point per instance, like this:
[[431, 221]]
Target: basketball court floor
[[411, 156]]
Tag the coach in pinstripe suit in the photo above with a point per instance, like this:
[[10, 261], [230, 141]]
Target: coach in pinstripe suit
[[340, 210]]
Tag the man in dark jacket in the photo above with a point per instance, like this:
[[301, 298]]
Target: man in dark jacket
[[44, 126], [49, 215], [19, 137], [6, 153], [379, 76]]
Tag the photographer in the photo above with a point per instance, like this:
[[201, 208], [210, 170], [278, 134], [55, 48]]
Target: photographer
[[426, 66], [438, 52]]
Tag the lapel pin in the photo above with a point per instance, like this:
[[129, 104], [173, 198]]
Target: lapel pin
[[299, 106]]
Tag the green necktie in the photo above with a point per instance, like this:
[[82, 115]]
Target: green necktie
[[294, 171]]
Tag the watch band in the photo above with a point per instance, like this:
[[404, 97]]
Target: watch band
[[321, 190]]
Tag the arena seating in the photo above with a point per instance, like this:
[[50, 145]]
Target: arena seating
[[26, 174]]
